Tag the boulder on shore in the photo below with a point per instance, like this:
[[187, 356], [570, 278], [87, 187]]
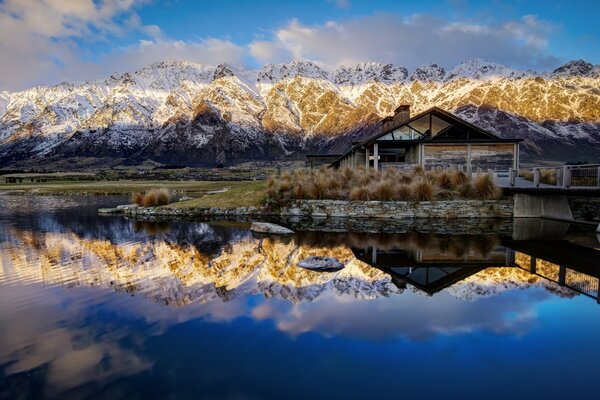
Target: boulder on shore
[[110, 210], [266, 227], [320, 263], [127, 206]]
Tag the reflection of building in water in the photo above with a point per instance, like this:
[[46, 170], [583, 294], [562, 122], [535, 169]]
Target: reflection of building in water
[[436, 265], [570, 265], [432, 268]]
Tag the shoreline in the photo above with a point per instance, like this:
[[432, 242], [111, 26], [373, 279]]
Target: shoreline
[[379, 210]]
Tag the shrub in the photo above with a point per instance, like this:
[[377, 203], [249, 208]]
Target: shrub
[[458, 178], [444, 180], [548, 176], [485, 187], [422, 190], [285, 185], [137, 198], [391, 184], [152, 198], [383, 191], [359, 193], [403, 192]]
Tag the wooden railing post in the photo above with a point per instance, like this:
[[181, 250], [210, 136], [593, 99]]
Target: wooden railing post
[[598, 178], [511, 177], [536, 177], [566, 177]]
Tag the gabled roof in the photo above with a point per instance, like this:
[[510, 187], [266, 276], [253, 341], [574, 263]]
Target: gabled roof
[[442, 114], [485, 136]]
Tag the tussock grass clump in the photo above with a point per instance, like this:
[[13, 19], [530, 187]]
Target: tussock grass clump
[[152, 198], [422, 190], [360, 193], [548, 176], [392, 184], [484, 186], [383, 191]]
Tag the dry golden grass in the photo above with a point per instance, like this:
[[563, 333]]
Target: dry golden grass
[[360, 193], [485, 188], [390, 185], [152, 198], [549, 176], [422, 190]]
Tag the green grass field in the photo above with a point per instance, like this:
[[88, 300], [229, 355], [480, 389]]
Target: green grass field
[[239, 193]]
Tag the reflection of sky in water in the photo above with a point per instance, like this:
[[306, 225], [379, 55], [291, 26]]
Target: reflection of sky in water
[[492, 336]]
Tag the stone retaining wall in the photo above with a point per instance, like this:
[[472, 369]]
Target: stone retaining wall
[[585, 208], [403, 209], [391, 210]]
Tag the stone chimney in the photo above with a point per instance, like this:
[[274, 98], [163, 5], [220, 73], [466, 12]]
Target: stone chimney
[[401, 114]]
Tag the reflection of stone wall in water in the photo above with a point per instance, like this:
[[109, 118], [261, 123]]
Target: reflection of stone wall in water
[[585, 208], [445, 156], [497, 157]]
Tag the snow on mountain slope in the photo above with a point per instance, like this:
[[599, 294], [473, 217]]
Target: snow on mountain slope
[[205, 115], [369, 71], [478, 69], [431, 72]]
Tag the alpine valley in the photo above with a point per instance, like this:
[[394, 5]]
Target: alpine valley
[[192, 114]]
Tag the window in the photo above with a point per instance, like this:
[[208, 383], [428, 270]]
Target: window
[[438, 125], [402, 133]]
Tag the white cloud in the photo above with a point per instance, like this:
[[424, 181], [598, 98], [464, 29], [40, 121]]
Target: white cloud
[[209, 51], [410, 41], [40, 38], [48, 41]]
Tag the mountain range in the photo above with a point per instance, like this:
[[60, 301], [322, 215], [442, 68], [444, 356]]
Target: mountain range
[[192, 114]]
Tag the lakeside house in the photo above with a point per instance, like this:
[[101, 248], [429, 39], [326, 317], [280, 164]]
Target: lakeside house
[[433, 138]]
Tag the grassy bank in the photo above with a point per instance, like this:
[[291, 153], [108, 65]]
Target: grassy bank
[[243, 194], [237, 194], [119, 187]]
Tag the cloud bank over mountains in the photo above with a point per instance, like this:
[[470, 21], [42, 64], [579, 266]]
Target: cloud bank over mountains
[[55, 40]]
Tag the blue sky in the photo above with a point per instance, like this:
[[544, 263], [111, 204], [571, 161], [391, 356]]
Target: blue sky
[[53, 40]]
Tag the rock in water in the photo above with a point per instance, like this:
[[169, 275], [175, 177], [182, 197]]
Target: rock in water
[[319, 263], [265, 227], [110, 210]]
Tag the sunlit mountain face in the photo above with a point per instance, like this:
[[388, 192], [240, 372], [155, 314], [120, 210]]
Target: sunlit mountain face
[[94, 304], [193, 114]]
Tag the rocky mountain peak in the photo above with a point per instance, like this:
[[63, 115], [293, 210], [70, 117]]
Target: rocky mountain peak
[[478, 68], [369, 71], [272, 73], [222, 71], [575, 68], [426, 73]]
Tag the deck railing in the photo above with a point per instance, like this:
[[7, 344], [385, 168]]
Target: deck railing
[[585, 176]]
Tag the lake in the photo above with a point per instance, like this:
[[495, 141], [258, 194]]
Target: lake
[[106, 307]]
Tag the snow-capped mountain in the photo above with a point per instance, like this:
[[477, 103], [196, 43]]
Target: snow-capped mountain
[[194, 114]]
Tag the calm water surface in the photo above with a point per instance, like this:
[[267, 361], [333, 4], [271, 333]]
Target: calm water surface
[[105, 307]]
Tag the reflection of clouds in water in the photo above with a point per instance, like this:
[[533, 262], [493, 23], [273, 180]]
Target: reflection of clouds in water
[[409, 316], [56, 328], [92, 335]]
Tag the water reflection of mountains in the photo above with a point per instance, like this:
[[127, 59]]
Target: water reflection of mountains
[[178, 263]]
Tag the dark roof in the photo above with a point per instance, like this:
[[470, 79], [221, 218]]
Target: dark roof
[[485, 136], [438, 112]]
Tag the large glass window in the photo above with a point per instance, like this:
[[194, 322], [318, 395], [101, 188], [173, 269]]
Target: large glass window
[[438, 125], [421, 124], [402, 133]]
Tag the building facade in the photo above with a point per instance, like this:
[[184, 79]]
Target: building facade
[[434, 138]]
